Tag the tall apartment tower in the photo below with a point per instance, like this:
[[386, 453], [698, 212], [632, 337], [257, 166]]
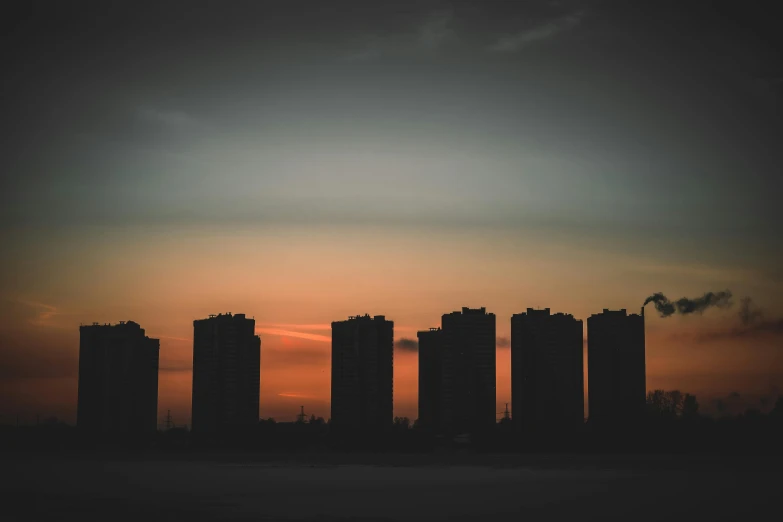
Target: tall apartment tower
[[118, 380], [616, 384], [547, 373], [469, 374], [226, 373], [362, 374], [430, 379]]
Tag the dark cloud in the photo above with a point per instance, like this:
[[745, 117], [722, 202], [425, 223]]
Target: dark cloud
[[686, 306], [503, 342], [406, 344]]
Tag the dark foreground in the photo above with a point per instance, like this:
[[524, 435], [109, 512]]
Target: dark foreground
[[335, 487]]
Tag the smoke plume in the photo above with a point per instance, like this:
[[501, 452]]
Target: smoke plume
[[686, 306], [753, 322]]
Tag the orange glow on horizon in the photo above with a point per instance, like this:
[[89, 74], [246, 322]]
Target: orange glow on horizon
[[356, 273]]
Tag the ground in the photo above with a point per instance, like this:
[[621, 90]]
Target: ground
[[388, 487]]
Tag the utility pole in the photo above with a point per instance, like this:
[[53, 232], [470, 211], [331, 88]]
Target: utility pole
[[169, 420], [301, 417], [506, 413]]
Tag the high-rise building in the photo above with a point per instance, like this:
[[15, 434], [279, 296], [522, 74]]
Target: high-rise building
[[616, 384], [547, 374], [430, 379], [226, 373], [468, 379], [362, 374], [118, 380]]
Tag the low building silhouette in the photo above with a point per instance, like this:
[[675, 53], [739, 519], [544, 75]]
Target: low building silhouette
[[362, 389], [468, 397], [118, 380], [430, 379], [616, 384], [226, 374], [547, 372]]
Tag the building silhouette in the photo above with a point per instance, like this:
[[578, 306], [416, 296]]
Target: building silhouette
[[469, 376], [118, 380], [226, 374], [362, 374], [547, 372], [616, 384], [430, 379]]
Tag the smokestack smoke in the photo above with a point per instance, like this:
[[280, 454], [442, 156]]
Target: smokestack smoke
[[686, 306]]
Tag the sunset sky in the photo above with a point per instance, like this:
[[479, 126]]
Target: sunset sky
[[301, 162]]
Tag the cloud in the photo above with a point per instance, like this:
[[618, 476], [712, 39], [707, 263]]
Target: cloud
[[767, 327], [502, 342], [278, 358], [16, 312], [436, 30], [406, 344], [287, 326], [371, 52], [433, 31], [544, 31], [168, 118], [40, 360], [290, 333], [293, 395]]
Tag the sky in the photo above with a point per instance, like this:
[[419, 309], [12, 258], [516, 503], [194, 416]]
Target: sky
[[304, 161]]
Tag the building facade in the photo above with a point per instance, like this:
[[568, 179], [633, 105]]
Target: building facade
[[362, 374], [468, 397], [226, 373], [547, 372], [616, 384], [118, 380], [430, 379]]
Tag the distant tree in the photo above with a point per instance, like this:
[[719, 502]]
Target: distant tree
[[675, 401], [777, 410], [671, 404], [402, 422], [752, 414], [690, 407]]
